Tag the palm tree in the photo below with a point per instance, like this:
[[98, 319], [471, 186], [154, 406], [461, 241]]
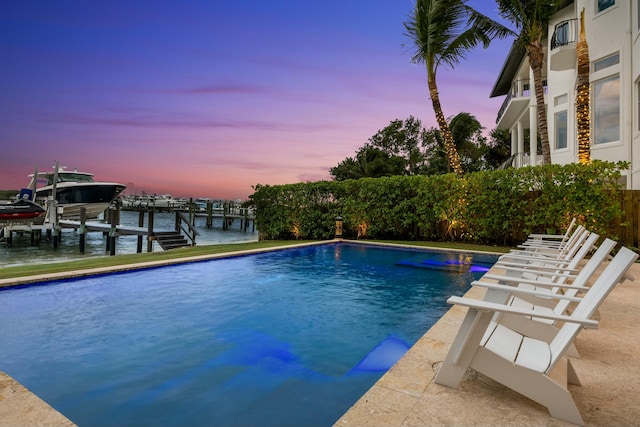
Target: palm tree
[[583, 119], [443, 31], [531, 18]]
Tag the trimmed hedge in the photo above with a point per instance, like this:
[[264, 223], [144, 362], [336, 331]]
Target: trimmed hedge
[[490, 207]]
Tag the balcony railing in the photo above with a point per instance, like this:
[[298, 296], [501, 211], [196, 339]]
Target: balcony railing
[[519, 89], [520, 160], [524, 159], [565, 33]]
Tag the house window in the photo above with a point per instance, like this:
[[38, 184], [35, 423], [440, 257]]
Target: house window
[[606, 110], [562, 34], [604, 5], [606, 62], [561, 129], [560, 99]]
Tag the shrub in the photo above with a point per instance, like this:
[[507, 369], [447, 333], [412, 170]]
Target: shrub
[[489, 207]]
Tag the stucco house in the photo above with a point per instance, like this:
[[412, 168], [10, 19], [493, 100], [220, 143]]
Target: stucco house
[[612, 29]]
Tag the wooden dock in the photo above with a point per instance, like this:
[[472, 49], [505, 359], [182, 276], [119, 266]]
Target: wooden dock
[[183, 234]]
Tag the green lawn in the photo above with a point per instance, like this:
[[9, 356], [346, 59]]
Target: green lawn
[[176, 254]]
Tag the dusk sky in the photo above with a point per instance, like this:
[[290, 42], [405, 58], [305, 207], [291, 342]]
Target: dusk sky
[[208, 98]]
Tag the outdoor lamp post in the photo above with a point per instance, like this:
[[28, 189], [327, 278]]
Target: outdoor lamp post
[[338, 227]]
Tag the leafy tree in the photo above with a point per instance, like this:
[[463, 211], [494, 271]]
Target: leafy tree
[[470, 142], [436, 161], [531, 19], [475, 152], [8, 194], [406, 148], [499, 148], [394, 150], [443, 31], [369, 162], [404, 139]]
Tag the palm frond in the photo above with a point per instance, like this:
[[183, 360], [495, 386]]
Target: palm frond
[[443, 31], [489, 28]]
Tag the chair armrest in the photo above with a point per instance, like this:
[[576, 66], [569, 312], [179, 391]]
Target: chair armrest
[[501, 308], [550, 274], [538, 251], [537, 272], [533, 256], [541, 244], [545, 236], [533, 282], [522, 291], [542, 264]]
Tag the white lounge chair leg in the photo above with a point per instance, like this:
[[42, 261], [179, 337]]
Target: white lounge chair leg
[[468, 338], [539, 388], [572, 376]]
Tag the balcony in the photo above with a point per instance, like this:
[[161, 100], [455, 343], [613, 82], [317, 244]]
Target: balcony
[[516, 102], [563, 54]]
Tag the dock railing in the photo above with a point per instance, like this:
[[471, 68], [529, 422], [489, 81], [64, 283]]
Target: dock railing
[[183, 224]]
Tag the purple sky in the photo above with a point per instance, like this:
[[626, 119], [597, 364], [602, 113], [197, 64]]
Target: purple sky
[[207, 98]]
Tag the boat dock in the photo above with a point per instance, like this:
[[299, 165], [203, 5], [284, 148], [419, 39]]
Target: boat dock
[[183, 234]]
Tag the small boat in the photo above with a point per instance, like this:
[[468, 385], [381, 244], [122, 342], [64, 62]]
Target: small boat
[[21, 210], [74, 190]]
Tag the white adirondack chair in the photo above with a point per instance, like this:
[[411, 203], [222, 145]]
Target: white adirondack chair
[[535, 266], [554, 237], [551, 239], [534, 368], [547, 250], [542, 295]]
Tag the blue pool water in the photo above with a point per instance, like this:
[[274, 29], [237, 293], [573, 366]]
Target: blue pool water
[[291, 337]]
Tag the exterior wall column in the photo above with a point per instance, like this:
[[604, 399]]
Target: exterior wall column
[[520, 143], [533, 134]]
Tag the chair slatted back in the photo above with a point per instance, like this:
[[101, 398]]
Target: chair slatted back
[[605, 283]]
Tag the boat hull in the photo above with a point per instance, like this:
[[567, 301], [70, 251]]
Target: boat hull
[[21, 211], [94, 196]]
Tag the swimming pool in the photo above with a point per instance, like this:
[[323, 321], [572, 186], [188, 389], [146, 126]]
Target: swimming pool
[[291, 337]]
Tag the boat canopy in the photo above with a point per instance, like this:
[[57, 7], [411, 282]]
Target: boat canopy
[[70, 177]]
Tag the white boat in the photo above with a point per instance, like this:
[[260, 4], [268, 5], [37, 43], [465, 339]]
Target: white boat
[[167, 202], [74, 190]]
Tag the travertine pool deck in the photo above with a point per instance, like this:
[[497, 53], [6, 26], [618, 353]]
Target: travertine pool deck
[[609, 371], [407, 396]]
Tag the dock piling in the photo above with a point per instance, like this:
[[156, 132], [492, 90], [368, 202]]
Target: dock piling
[[150, 232], [83, 228], [112, 233], [140, 224], [209, 215]]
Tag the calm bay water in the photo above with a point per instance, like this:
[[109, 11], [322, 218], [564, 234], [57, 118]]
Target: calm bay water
[[21, 252]]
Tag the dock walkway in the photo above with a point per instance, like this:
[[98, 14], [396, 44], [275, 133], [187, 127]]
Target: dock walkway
[[105, 227]]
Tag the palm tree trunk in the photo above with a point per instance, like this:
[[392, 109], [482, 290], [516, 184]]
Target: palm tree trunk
[[536, 56], [583, 119], [449, 143]]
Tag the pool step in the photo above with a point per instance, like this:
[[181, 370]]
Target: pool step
[[171, 240]]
